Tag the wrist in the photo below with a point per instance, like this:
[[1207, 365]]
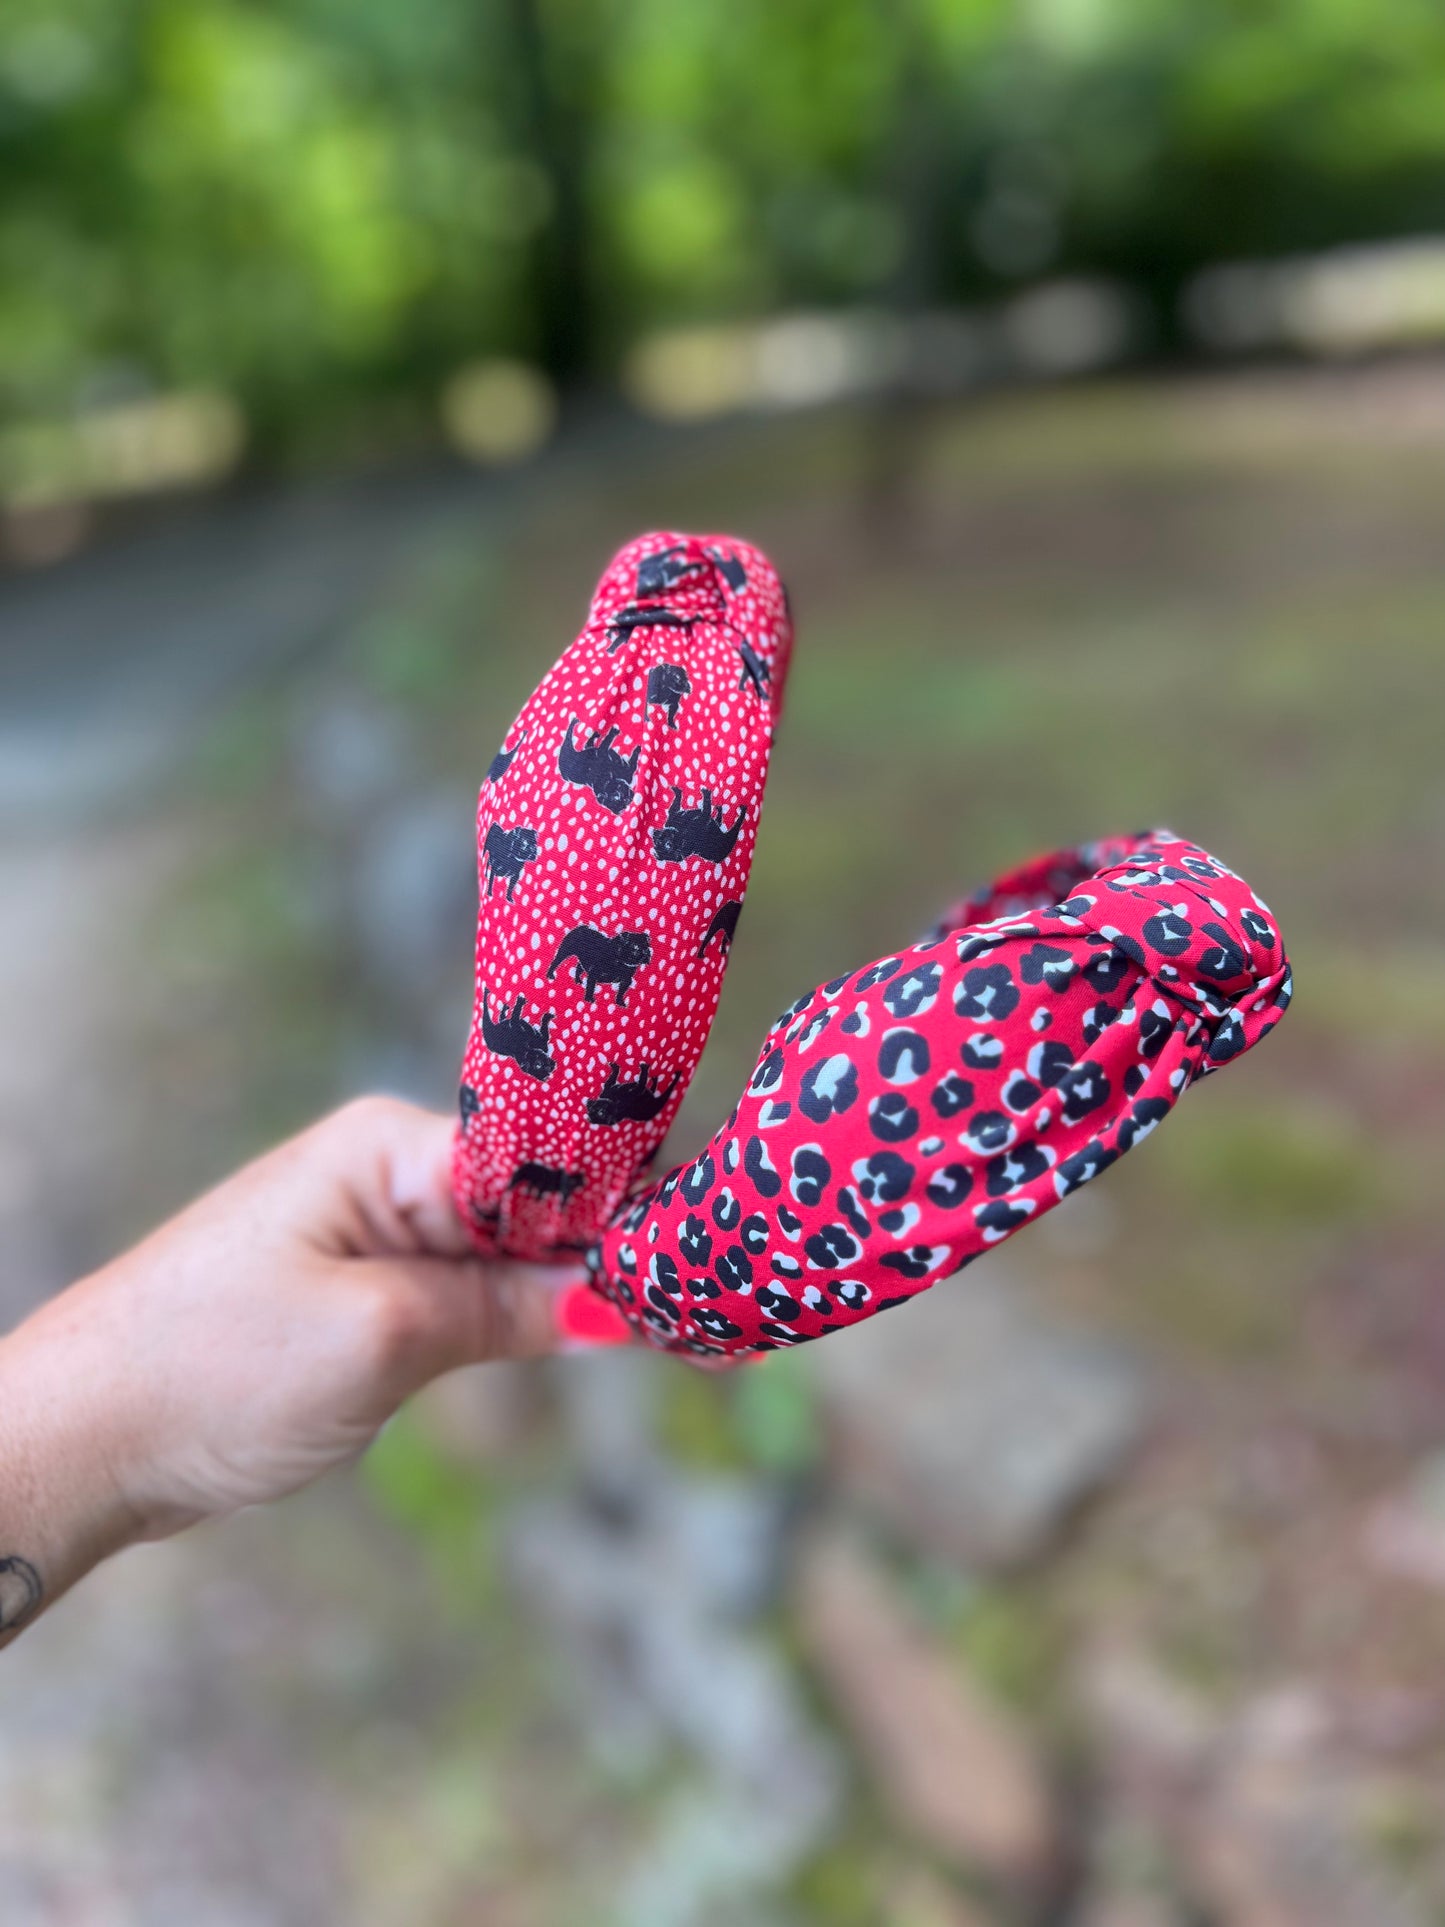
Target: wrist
[[62, 1500]]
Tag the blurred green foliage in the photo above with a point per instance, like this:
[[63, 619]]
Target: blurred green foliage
[[1282, 1163], [446, 1503], [325, 206]]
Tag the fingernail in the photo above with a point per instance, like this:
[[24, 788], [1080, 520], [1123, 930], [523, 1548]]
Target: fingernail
[[585, 1319]]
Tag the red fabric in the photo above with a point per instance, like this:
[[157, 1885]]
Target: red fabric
[[908, 1115], [903, 1117], [615, 835]]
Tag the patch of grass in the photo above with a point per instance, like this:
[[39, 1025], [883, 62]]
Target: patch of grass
[[1012, 1643], [775, 1411], [446, 1505], [1274, 1163], [695, 1422]]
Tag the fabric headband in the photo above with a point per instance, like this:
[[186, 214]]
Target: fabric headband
[[903, 1117]]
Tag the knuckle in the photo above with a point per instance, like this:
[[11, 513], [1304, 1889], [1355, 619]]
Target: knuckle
[[391, 1329]]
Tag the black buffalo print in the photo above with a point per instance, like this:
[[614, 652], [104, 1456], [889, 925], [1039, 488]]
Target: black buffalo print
[[624, 624], [512, 1036], [753, 672], [724, 924], [546, 1181], [731, 569], [597, 959], [506, 853], [598, 767], [696, 832], [634, 1100], [503, 759], [663, 569], [667, 684]]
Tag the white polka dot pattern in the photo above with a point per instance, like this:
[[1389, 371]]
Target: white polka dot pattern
[[615, 834]]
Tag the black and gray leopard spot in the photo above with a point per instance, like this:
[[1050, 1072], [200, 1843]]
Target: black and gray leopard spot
[[753, 1232], [786, 1268], [982, 1051], [914, 993], [662, 1303], [916, 1261], [987, 991], [1097, 1019], [1047, 1062], [1019, 1093], [773, 1113], [807, 1034], [1084, 1088], [998, 1219], [782, 1338], [980, 942], [884, 1177], [1258, 929], [903, 1056], [892, 1118], [990, 1131], [1145, 1117], [761, 1168], [852, 1209], [1228, 1040], [769, 1072], [734, 1269], [698, 1179], [1047, 964], [663, 1272], [694, 1241], [832, 1248], [811, 1172], [777, 1304], [1168, 932], [1105, 971], [798, 1005], [829, 1088], [878, 973], [951, 1095], [1083, 1165], [852, 1293], [726, 1211], [715, 1323], [1022, 1165], [789, 1223], [949, 1187], [1224, 959], [1155, 1024]]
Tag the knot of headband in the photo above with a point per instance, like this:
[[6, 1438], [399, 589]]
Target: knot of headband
[[901, 1118]]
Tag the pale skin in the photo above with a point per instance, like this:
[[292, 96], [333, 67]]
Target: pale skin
[[249, 1345]]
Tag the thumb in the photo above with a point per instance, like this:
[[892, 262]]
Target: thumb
[[450, 1313]]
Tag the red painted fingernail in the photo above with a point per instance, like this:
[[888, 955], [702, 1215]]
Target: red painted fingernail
[[585, 1318]]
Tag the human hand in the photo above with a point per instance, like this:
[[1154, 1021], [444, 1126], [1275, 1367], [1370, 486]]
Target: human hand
[[251, 1343]]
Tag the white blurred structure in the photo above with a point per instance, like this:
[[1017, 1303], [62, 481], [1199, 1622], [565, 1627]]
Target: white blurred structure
[[1346, 302], [1056, 329]]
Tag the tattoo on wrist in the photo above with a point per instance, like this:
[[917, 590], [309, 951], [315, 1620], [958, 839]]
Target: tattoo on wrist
[[21, 1590]]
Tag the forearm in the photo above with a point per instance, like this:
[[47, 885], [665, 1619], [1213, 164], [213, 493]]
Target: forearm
[[61, 1508]]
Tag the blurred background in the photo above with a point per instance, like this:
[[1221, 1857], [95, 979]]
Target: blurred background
[[1082, 365]]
